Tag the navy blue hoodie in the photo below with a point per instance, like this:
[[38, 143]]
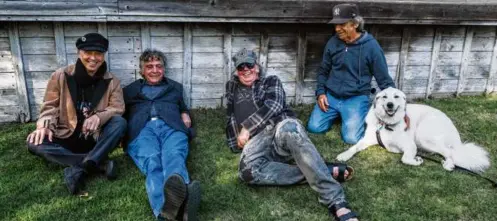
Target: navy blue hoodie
[[347, 69]]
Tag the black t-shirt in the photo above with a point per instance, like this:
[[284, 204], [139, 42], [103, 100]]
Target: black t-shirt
[[85, 88], [243, 104]]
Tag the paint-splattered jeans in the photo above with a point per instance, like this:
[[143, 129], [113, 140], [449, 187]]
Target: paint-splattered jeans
[[264, 161], [353, 112]]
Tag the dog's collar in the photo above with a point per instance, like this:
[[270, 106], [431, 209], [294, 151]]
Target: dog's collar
[[389, 127], [382, 124]]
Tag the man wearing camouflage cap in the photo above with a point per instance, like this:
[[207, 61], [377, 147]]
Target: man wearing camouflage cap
[[80, 119], [266, 131], [351, 58]]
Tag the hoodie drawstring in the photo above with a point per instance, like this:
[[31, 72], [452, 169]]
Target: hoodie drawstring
[[360, 56]]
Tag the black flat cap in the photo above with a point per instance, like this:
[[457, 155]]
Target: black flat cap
[[93, 42]]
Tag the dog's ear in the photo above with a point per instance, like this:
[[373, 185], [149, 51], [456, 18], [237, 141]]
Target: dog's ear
[[375, 100]]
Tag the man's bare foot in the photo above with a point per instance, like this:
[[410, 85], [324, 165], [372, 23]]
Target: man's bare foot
[[341, 172], [343, 211], [336, 173]]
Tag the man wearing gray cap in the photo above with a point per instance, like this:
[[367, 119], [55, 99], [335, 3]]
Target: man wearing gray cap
[[351, 58], [266, 131], [80, 119]]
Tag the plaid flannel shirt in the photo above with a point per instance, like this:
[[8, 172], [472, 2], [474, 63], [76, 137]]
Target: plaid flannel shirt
[[269, 97]]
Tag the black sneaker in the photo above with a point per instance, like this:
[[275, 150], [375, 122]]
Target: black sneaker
[[73, 177], [175, 194], [109, 168], [192, 202]]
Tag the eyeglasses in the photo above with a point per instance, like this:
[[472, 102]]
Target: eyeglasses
[[242, 66]]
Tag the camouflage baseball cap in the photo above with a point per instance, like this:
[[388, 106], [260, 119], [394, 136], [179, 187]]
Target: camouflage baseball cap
[[244, 56]]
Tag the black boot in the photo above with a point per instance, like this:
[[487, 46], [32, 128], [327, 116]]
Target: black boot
[[73, 177], [192, 202], [109, 169], [175, 191]]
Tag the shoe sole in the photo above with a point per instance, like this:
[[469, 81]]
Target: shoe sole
[[193, 202], [175, 193]]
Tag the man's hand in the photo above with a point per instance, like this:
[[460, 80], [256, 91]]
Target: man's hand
[[186, 119], [323, 102], [243, 138], [91, 124], [37, 136]]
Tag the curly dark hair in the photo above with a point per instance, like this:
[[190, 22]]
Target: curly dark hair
[[150, 55]]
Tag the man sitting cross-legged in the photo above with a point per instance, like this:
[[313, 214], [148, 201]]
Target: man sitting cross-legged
[[80, 120]]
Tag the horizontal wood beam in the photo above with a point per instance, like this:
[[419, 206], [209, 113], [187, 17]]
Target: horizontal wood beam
[[451, 12], [61, 8]]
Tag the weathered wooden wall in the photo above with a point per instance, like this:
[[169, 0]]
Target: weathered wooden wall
[[455, 12], [424, 60]]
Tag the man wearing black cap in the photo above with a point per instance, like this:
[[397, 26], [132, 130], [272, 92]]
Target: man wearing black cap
[[266, 131], [351, 58], [79, 122]]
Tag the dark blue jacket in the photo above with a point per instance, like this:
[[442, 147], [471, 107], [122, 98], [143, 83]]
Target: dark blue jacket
[[169, 105], [347, 69]]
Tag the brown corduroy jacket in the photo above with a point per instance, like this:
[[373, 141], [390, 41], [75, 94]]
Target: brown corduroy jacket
[[58, 111]]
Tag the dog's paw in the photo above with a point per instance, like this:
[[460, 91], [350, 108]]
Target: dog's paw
[[448, 165], [344, 156], [418, 160]]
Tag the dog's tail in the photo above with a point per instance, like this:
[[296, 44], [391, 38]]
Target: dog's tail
[[472, 157]]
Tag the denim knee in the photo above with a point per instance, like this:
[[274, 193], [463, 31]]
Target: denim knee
[[33, 149], [315, 127], [350, 139], [289, 126]]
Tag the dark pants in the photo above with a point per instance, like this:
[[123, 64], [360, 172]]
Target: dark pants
[[58, 151]]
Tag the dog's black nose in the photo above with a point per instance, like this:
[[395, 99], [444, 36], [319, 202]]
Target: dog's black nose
[[390, 105]]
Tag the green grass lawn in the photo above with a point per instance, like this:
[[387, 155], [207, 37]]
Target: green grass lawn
[[383, 188]]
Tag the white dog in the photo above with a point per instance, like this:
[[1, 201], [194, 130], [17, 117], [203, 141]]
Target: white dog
[[424, 127]]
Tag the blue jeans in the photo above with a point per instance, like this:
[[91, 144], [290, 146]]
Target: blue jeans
[[353, 112], [159, 151]]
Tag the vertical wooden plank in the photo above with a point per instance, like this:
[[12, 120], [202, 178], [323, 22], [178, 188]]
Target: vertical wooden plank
[[145, 36], [102, 29], [301, 52], [187, 63], [406, 35], [146, 41], [493, 69], [374, 31], [434, 60], [465, 57], [22, 90], [227, 45], [60, 46], [264, 51]]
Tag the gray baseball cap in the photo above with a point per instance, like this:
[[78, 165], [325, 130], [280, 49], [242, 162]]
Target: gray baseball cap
[[244, 56], [342, 13]]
